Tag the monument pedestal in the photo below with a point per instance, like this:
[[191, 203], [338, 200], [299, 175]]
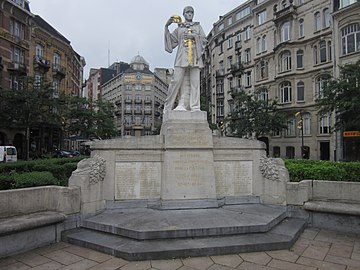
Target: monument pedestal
[[188, 165]]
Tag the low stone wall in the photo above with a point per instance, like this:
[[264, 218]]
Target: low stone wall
[[319, 190], [34, 217], [326, 204], [47, 198]]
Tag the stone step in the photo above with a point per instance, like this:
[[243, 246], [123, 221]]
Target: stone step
[[146, 223], [281, 236]]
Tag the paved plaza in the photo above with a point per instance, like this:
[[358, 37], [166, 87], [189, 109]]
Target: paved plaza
[[315, 249]]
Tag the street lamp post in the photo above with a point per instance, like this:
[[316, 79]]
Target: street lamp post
[[301, 127]]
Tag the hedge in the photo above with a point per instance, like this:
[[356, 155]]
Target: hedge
[[21, 174], [323, 170]]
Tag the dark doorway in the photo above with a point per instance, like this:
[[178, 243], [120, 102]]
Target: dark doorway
[[324, 150], [19, 143]]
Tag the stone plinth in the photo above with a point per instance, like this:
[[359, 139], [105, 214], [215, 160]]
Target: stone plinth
[[188, 165]]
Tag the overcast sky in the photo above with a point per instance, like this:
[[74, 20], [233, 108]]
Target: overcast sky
[[125, 27]]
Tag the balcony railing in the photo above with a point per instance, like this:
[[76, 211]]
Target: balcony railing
[[41, 63], [238, 45], [283, 13], [220, 72], [17, 67], [58, 71], [238, 67]]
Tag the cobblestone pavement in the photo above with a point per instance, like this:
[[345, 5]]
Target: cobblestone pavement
[[315, 249]]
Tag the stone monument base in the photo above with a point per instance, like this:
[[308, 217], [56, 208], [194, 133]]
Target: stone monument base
[[183, 167]]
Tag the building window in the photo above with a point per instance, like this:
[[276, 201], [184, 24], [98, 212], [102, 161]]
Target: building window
[[261, 17], [57, 60], [17, 29], [242, 13], [322, 46], [262, 70], [56, 87], [345, 3], [229, 62], [229, 21], [147, 87], [324, 124], [290, 152], [315, 53], [263, 44], [285, 32], [320, 83], [276, 151], [17, 56], [247, 56], [221, 27], [258, 45], [263, 94], [300, 59], [285, 92], [247, 33], [230, 42], [317, 21], [329, 51], [285, 61], [301, 28], [291, 126], [300, 90], [350, 38], [248, 78], [306, 123], [39, 50], [220, 107], [220, 86], [326, 17]]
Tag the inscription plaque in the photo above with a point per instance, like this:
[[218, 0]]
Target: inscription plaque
[[137, 180], [233, 178]]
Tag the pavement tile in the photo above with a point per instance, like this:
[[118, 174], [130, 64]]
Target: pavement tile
[[310, 233], [227, 260], [220, 267], [288, 265], [51, 248], [167, 264], [186, 268], [341, 260], [112, 264], [321, 265], [305, 241], [284, 255], [357, 247], [341, 250], [6, 261], [143, 265], [256, 257], [355, 256], [63, 257], [198, 262], [298, 248], [81, 265], [15, 266], [88, 254], [334, 237], [314, 252], [31, 259], [48, 266], [253, 266]]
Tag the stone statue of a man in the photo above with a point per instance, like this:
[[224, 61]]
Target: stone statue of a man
[[190, 39]]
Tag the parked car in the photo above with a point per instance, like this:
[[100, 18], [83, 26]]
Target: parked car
[[75, 153], [62, 153], [8, 153]]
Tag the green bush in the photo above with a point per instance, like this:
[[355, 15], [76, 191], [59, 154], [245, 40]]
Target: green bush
[[323, 170], [60, 169], [34, 179]]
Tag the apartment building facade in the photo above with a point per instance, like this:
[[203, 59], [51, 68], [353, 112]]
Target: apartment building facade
[[138, 95], [29, 46], [287, 49]]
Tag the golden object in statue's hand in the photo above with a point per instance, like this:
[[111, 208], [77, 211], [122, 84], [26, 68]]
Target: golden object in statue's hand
[[176, 18]]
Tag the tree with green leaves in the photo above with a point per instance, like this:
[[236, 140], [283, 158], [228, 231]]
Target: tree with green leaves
[[30, 104], [342, 96], [88, 119], [252, 115]]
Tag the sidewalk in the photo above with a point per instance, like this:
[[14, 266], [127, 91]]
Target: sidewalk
[[315, 249]]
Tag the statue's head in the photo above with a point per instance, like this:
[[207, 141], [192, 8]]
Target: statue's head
[[188, 13]]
